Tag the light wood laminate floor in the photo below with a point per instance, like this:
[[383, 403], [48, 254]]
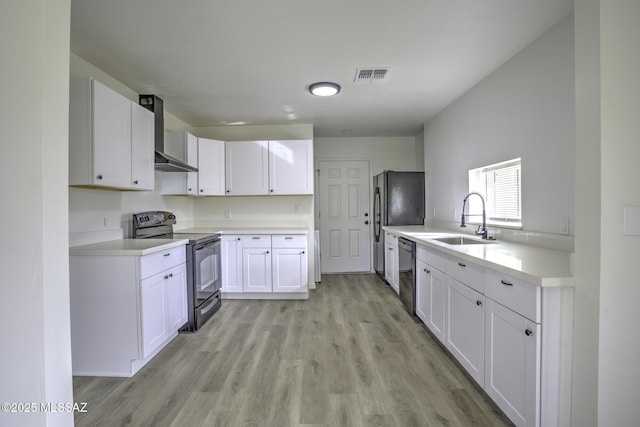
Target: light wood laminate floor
[[349, 356]]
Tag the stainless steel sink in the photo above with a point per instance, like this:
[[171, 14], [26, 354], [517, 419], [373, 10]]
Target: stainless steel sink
[[461, 240]]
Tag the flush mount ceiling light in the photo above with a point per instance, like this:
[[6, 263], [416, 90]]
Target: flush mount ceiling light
[[324, 89]]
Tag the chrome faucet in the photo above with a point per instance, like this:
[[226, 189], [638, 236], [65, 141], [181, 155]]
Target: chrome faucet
[[482, 229]]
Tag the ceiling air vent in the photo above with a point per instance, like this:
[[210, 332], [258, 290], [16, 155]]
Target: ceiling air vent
[[371, 75]]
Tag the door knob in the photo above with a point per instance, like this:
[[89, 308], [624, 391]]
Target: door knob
[[366, 214], [366, 223]]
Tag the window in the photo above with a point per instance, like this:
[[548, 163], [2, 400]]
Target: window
[[500, 184]]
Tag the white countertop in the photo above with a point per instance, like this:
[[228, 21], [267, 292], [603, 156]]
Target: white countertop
[[245, 230], [128, 247], [539, 266]]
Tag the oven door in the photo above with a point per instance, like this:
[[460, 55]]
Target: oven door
[[207, 278]]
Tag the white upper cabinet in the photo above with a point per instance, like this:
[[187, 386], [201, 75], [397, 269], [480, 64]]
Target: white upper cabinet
[[183, 146], [103, 126], [211, 167], [192, 160], [142, 148], [247, 168], [291, 167], [269, 167]]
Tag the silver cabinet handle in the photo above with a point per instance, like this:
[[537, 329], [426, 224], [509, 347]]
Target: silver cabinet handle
[[528, 332], [462, 265], [135, 182], [167, 254], [504, 282]]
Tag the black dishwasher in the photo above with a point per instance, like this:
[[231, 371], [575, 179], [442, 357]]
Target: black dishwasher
[[407, 273]]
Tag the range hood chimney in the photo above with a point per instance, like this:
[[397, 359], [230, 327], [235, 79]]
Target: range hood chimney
[[163, 161]]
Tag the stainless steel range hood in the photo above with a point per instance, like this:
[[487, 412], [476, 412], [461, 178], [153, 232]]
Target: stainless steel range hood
[[163, 161]]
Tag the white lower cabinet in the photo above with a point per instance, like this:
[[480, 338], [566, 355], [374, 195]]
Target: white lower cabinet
[[266, 265], [164, 306], [154, 316], [290, 269], [125, 309], [465, 327], [512, 364], [231, 255], [391, 266], [508, 334], [431, 298], [256, 269]]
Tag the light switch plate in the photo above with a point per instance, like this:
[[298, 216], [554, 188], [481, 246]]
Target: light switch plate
[[631, 220]]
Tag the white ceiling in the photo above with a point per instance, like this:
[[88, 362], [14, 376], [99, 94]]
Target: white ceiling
[[217, 62]]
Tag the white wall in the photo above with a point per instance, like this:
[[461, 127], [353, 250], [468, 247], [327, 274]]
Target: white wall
[[586, 265], [523, 109], [619, 355], [385, 153], [35, 360]]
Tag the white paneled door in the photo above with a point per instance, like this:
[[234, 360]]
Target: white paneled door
[[345, 220]]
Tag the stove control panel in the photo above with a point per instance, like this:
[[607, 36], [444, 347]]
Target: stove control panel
[[153, 219]]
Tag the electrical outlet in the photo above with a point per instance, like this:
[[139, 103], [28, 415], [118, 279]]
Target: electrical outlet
[[564, 225], [434, 212], [455, 214], [227, 215]]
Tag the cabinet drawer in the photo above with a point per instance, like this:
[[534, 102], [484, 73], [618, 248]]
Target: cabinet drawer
[[516, 294], [289, 241], [431, 257], [391, 238], [256, 241], [465, 272], [160, 261]]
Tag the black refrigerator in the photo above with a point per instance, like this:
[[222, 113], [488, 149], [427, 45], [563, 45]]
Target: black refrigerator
[[398, 199]]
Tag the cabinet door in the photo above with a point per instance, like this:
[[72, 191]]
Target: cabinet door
[[231, 264], [153, 315], [256, 269], [389, 252], [176, 289], [290, 270], [465, 327], [423, 291], [142, 148], [210, 167], [247, 167], [111, 137], [291, 167], [513, 364], [431, 298], [192, 160]]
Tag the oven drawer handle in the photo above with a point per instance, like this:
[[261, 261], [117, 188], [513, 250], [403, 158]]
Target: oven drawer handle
[[210, 306], [206, 245], [167, 254]]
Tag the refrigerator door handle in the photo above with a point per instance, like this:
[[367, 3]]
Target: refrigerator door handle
[[376, 215]]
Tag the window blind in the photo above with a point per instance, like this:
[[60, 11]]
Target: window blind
[[503, 192]]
